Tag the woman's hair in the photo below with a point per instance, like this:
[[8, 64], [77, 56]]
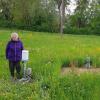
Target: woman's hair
[[14, 34]]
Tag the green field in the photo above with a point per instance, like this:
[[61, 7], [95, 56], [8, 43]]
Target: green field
[[48, 52]]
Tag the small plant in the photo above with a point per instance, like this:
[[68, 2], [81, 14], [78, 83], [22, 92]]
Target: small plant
[[65, 63]]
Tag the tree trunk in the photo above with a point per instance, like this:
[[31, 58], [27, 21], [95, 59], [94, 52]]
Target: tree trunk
[[62, 16]]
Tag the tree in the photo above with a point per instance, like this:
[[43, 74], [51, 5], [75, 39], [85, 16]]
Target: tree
[[81, 12], [6, 6], [95, 16], [62, 4]]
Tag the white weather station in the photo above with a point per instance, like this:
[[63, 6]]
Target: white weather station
[[26, 71]]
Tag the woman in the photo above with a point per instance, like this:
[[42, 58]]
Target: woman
[[14, 54]]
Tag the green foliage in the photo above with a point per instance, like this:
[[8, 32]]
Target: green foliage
[[43, 15], [34, 15], [80, 31]]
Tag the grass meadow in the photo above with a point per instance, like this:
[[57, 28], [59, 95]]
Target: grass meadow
[[48, 54]]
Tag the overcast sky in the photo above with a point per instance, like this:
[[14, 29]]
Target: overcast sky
[[72, 6]]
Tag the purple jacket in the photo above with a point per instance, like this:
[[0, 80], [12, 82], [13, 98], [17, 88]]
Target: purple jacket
[[14, 50]]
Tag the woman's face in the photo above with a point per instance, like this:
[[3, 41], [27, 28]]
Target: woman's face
[[14, 38]]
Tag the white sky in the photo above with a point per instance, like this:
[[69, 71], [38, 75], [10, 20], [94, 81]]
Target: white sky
[[71, 7]]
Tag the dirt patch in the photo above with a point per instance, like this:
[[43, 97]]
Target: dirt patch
[[65, 71]]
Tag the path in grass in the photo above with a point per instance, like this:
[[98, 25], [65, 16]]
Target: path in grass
[[65, 71]]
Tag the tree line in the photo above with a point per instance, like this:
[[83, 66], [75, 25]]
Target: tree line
[[51, 16]]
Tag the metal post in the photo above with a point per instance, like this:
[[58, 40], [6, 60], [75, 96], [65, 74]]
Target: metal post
[[24, 69]]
